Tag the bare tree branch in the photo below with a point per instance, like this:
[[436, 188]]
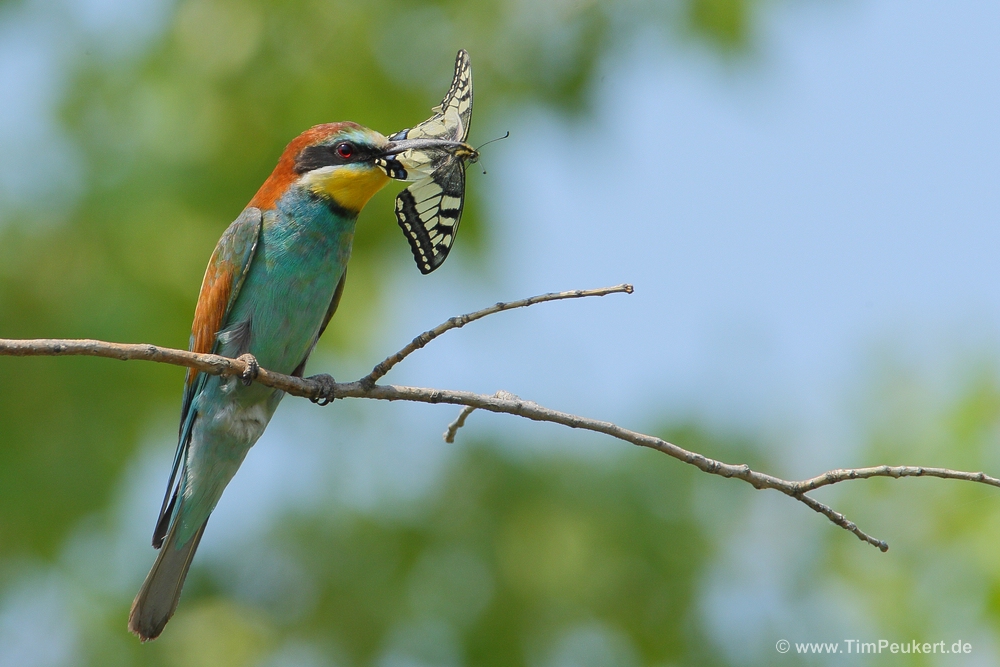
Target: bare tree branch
[[461, 320], [502, 402]]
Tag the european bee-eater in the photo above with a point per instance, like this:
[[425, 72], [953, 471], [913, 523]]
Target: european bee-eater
[[271, 287]]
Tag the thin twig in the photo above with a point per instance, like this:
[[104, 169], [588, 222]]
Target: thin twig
[[449, 435], [834, 476], [840, 520], [460, 321], [501, 402]]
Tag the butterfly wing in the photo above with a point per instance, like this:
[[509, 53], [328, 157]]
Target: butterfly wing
[[457, 102], [429, 211], [452, 117]]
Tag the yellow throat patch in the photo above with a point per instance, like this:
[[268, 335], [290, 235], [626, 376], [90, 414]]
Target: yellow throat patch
[[349, 186]]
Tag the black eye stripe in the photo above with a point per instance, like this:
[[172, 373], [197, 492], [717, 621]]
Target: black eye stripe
[[326, 155]]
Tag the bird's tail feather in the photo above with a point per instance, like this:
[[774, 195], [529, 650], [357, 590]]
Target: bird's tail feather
[[157, 599]]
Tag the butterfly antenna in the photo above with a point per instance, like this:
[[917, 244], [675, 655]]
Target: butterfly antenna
[[479, 159], [479, 147]]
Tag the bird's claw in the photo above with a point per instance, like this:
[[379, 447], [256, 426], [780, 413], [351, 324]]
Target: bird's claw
[[325, 393], [252, 369]]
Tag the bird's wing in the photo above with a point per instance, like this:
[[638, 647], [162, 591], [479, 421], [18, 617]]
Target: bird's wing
[[337, 294], [227, 269]]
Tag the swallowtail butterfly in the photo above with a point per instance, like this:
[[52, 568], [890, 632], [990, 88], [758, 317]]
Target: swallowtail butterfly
[[429, 211]]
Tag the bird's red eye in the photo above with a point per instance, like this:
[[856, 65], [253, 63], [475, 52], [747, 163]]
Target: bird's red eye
[[345, 150]]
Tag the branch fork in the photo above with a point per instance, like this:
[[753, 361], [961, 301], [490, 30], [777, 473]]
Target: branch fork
[[501, 402]]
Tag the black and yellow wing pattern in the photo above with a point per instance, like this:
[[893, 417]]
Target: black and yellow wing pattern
[[429, 211]]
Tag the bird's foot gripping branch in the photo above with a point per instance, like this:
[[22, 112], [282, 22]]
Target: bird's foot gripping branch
[[322, 388]]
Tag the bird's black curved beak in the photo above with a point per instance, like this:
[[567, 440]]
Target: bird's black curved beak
[[402, 145]]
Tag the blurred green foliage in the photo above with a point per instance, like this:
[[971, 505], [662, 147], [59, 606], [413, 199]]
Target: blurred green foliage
[[509, 562], [725, 22], [944, 572]]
